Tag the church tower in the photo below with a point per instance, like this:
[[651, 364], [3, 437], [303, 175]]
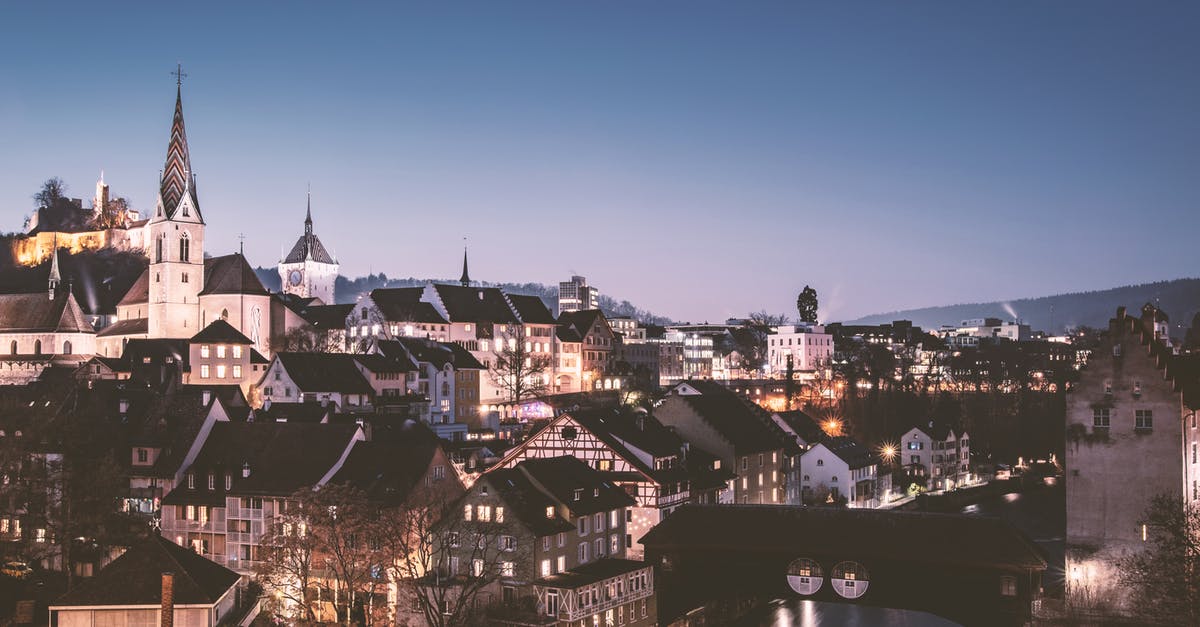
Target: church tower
[[176, 240], [309, 271]]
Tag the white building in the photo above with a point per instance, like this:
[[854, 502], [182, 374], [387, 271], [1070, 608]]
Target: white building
[[937, 452], [808, 345], [309, 271], [969, 332], [838, 468]]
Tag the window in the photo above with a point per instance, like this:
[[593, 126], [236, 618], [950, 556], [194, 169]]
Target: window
[[598, 548], [143, 455], [549, 511], [583, 525], [545, 568], [1008, 586], [1100, 417], [237, 372], [237, 352], [467, 509], [1143, 419], [204, 371], [562, 563], [228, 481], [220, 371], [184, 248], [546, 543], [191, 479], [221, 351], [499, 513], [598, 522], [476, 567], [552, 602], [820, 462], [506, 570], [614, 519], [212, 482], [484, 513], [583, 552], [562, 540], [508, 543]]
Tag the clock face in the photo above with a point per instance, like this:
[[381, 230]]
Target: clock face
[[294, 277]]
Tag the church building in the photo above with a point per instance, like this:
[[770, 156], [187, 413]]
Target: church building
[[309, 271]]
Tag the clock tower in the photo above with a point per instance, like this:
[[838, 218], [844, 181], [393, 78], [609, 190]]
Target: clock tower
[[309, 271]]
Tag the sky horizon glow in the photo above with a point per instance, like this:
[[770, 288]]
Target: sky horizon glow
[[701, 160]]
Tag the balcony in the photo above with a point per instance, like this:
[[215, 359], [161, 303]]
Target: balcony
[[606, 604]]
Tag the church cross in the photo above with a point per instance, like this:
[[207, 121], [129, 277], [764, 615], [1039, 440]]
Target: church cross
[[179, 74]]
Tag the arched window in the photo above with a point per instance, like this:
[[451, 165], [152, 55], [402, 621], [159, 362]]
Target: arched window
[[224, 314], [820, 462], [67, 347], [185, 246], [158, 250], [37, 347], [13, 349]]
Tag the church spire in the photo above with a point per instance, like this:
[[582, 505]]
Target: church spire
[[55, 276], [177, 176], [466, 278], [308, 216]]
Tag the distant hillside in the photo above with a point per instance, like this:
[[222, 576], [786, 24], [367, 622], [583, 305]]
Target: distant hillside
[[348, 290], [1179, 298]]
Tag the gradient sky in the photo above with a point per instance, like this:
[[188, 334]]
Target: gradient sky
[[700, 159]]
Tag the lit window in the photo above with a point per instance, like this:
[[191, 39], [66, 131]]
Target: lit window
[[237, 352], [221, 371], [545, 568], [1008, 586], [220, 351], [237, 371], [204, 350]]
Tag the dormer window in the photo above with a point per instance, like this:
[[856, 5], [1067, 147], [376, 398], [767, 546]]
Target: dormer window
[[1116, 350], [212, 483], [1137, 389], [1108, 388], [549, 511], [191, 481], [228, 481], [578, 493]]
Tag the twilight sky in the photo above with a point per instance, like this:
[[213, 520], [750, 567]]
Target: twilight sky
[[700, 159]]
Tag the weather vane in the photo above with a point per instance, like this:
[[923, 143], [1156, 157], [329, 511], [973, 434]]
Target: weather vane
[[179, 74]]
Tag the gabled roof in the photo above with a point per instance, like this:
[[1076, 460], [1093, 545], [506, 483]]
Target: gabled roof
[[376, 363], [404, 304], [292, 412], [531, 309], [388, 467], [135, 578], [324, 372], [581, 321], [802, 424], [324, 317], [475, 304], [526, 501], [283, 457], [891, 535], [38, 313], [562, 477], [748, 427], [309, 246], [220, 331], [437, 354], [230, 274]]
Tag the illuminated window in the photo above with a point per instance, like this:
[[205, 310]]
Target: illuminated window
[[221, 351], [237, 352], [467, 512], [1008, 586], [221, 371], [237, 372], [204, 351]]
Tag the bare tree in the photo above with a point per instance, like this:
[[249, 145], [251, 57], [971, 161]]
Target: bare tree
[[517, 371], [309, 340], [1165, 576], [287, 564], [112, 215], [443, 561], [52, 191]]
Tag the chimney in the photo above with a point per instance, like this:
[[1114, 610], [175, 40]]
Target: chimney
[[168, 600]]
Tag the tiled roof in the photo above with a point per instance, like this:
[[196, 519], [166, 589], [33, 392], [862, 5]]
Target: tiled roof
[[803, 424], [404, 304], [563, 476], [324, 372], [135, 326], [135, 578], [854, 454], [475, 304], [374, 362], [531, 309], [291, 412], [283, 457], [309, 247], [139, 292], [323, 317], [36, 312], [745, 425], [526, 501], [389, 466], [230, 274], [428, 351], [911, 537], [581, 321], [220, 331]]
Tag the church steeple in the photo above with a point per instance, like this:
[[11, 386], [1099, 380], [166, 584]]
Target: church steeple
[[308, 217], [177, 178], [55, 275], [466, 278]]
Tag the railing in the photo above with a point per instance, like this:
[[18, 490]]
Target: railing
[[606, 604]]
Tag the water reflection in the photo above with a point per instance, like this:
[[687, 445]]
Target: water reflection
[[805, 613]]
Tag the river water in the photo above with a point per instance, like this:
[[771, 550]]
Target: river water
[[1039, 512]]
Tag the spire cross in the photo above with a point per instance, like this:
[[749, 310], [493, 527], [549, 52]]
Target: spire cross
[[179, 74], [242, 244]]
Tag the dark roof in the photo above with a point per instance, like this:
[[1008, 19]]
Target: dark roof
[[910, 537], [139, 292], [375, 362], [562, 476], [526, 501], [748, 427], [592, 572], [326, 316], [581, 321], [475, 304], [135, 326], [405, 304], [135, 578], [230, 274], [291, 412], [220, 332], [257, 357], [428, 351], [531, 309], [324, 372], [37, 312], [309, 247], [389, 466], [803, 424], [854, 454], [283, 457]]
